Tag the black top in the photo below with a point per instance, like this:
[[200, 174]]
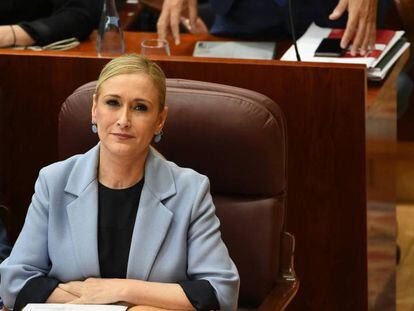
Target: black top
[[116, 219], [48, 21]]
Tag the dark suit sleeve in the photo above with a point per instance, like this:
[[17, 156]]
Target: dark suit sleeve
[[70, 18], [201, 294], [221, 7], [36, 290]]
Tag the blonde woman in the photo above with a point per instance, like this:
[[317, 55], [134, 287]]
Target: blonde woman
[[120, 224]]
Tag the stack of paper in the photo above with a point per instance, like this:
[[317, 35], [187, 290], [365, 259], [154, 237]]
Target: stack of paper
[[388, 48]]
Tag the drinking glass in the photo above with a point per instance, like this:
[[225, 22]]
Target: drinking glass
[[155, 47]]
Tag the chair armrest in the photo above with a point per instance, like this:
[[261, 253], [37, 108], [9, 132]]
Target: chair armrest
[[287, 285], [280, 296]]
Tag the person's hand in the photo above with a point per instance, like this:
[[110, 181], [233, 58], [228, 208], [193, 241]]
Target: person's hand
[[361, 24], [94, 291], [169, 20], [60, 296], [198, 28]]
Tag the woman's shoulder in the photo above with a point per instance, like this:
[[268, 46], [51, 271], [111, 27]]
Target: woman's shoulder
[[78, 166], [61, 167], [185, 175]]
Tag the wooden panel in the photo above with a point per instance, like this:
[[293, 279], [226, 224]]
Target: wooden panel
[[324, 108]]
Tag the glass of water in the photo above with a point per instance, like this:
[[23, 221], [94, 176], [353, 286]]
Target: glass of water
[[155, 47]]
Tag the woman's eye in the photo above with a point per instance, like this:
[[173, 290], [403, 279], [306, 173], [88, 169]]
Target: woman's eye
[[141, 107], [112, 102]]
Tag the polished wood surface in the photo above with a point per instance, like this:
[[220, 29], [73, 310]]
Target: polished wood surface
[[382, 181], [324, 105], [133, 45]]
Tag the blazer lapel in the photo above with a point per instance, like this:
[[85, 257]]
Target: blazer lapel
[[83, 212], [83, 218], [153, 218], [151, 226]]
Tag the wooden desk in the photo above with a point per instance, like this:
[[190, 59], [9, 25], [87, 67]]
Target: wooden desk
[[324, 105]]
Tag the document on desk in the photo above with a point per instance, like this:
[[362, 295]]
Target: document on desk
[[235, 49], [71, 307], [389, 47]]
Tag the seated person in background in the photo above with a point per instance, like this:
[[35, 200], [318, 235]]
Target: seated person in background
[[266, 19], [42, 22], [5, 247], [120, 223]]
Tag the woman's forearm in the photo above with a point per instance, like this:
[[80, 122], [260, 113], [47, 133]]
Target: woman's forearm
[[14, 35], [167, 296], [22, 37], [161, 295]]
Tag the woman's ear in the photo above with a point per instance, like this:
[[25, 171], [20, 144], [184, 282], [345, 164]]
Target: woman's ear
[[161, 118], [93, 111]]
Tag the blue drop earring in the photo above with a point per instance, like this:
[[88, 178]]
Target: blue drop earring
[[94, 128], [158, 136]]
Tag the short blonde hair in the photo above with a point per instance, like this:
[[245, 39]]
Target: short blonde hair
[[134, 64]]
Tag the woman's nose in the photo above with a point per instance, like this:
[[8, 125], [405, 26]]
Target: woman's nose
[[124, 118]]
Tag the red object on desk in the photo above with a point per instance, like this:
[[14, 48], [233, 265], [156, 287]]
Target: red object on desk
[[383, 37]]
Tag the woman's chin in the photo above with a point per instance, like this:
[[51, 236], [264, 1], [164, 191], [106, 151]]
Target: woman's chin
[[125, 149]]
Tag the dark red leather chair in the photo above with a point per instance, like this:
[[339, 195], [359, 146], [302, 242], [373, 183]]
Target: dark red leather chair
[[237, 138]]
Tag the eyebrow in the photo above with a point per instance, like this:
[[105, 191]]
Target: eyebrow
[[136, 100]]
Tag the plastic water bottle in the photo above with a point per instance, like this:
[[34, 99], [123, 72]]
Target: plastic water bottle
[[110, 39]]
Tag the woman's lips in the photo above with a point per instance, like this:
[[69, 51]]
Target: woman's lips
[[123, 136]]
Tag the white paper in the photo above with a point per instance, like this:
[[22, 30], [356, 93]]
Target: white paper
[[234, 49], [313, 36], [71, 307], [378, 75]]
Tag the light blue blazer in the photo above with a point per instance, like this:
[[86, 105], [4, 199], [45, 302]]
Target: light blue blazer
[[176, 234]]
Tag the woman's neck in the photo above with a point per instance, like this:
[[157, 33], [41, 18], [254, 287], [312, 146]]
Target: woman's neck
[[120, 172]]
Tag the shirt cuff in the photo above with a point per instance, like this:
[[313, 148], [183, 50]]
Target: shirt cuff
[[201, 294], [36, 290]]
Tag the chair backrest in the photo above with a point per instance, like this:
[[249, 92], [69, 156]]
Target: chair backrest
[[237, 138]]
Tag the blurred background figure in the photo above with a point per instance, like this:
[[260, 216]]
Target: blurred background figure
[[5, 247], [269, 19], [41, 22], [150, 13]]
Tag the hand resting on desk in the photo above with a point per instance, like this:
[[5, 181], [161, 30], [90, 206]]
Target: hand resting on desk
[[132, 292], [361, 24]]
